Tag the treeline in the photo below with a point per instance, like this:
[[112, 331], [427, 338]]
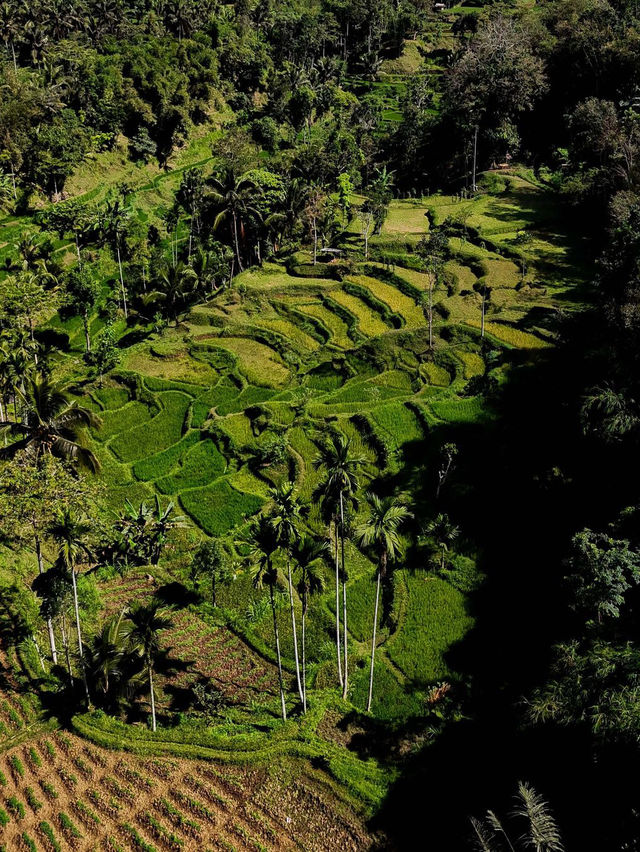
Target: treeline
[[74, 77]]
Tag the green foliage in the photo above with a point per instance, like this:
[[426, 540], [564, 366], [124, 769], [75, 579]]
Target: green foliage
[[28, 842], [48, 832], [603, 569], [16, 807]]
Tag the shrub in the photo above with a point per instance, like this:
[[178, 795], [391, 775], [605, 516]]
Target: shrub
[[69, 825], [16, 807], [28, 842], [34, 803], [4, 817], [16, 765], [46, 829], [138, 841], [34, 757]]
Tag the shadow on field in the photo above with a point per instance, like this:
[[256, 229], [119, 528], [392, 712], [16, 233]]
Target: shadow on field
[[523, 485]]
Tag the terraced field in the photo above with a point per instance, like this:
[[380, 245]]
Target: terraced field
[[60, 793], [192, 413]]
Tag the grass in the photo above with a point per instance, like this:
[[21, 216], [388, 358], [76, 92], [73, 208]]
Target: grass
[[121, 419], [399, 423], [218, 508], [200, 465], [460, 410], [336, 327], [406, 218], [160, 464], [368, 320], [260, 364], [435, 620], [159, 433], [512, 336], [397, 301]]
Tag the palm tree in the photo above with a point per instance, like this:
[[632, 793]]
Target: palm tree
[[234, 199], [175, 285], [264, 543], [307, 552], [444, 532], [339, 487], [105, 655], [283, 222], [50, 423], [113, 227], [147, 620], [286, 515], [380, 531], [70, 533]]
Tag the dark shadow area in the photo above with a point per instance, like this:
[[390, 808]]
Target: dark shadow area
[[524, 483], [177, 595]]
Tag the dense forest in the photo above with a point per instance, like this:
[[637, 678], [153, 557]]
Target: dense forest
[[319, 330]]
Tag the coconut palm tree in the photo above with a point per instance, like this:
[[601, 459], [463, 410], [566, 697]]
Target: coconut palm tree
[[234, 202], [264, 543], [380, 531], [286, 516], [50, 423], [70, 532], [175, 286], [307, 553], [147, 620], [443, 532], [337, 490], [105, 655], [113, 227]]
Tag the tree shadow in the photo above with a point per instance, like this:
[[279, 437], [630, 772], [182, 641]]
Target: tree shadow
[[524, 482]]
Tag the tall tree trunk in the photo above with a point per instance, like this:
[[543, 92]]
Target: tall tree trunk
[[483, 312], [124, 292], [236, 242], [52, 638], [304, 652], [276, 633], [85, 323], [442, 560], [373, 642], [430, 312], [65, 645], [338, 604], [78, 249], [80, 652], [475, 159], [38, 651], [293, 629], [345, 674], [315, 241], [153, 698]]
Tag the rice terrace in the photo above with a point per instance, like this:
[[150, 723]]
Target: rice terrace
[[317, 412]]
